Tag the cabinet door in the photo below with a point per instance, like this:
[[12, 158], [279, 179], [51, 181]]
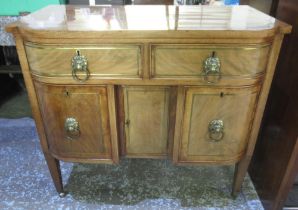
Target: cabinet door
[[76, 121], [215, 124], [146, 121]]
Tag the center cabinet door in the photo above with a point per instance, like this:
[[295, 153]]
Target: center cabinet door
[[77, 123], [146, 121]]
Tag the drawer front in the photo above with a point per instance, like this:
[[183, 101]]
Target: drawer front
[[189, 60], [216, 124], [102, 60], [76, 121]]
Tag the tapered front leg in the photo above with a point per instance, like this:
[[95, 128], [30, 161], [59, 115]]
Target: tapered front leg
[[54, 167], [239, 174]]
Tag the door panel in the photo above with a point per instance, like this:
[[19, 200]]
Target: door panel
[[233, 108], [146, 120], [89, 108]]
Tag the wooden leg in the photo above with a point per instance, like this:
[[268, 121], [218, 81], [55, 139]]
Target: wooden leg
[[239, 174], [54, 167]]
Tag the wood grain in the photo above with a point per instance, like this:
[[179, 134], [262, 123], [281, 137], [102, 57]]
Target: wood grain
[[172, 117], [188, 60], [233, 106], [89, 106], [147, 119], [52, 163], [238, 178], [196, 81], [180, 106], [103, 60], [113, 123]]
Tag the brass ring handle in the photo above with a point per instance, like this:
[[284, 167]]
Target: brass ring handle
[[216, 130], [79, 63], [72, 128], [212, 67]]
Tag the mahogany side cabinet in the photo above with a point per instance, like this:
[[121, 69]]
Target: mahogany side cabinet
[[188, 83]]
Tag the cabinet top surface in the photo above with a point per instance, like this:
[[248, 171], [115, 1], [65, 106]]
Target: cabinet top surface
[[152, 18]]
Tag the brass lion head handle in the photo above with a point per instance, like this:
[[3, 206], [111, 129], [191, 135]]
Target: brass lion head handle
[[211, 67], [72, 128], [216, 130], [79, 63]]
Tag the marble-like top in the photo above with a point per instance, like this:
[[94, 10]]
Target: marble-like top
[[157, 17]]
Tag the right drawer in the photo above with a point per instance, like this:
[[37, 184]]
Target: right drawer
[[207, 61]]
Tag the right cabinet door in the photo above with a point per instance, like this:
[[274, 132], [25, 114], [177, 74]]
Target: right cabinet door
[[215, 124]]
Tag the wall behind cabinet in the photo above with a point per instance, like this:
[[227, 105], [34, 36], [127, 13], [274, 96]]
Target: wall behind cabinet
[[13, 7]]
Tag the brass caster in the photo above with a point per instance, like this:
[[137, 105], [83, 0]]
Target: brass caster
[[62, 194]]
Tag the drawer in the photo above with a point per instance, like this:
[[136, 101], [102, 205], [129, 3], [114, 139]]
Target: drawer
[[76, 121], [216, 124], [188, 61], [114, 61]]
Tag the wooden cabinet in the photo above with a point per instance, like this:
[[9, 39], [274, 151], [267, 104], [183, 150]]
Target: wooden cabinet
[[184, 84]]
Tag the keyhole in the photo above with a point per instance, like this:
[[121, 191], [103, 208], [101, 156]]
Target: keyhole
[[213, 54], [66, 93], [127, 122], [221, 94], [78, 52]]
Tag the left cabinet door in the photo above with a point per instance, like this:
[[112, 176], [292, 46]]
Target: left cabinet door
[[76, 121]]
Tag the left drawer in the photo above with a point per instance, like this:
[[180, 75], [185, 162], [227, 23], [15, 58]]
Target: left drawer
[[76, 121], [116, 61]]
